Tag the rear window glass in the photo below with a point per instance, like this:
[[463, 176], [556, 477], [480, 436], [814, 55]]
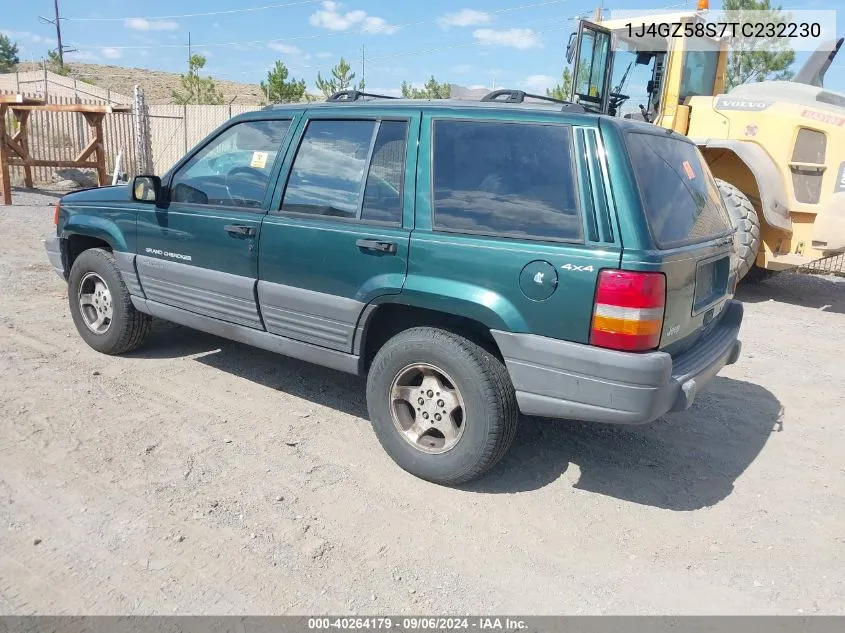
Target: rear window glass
[[508, 179], [682, 203]]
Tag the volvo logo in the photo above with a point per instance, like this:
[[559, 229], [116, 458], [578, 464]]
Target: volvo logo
[[738, 104]]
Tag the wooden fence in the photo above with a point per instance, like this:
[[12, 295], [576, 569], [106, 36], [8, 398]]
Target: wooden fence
[[63, 135]]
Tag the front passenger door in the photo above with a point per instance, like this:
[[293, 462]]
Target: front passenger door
[[198, 250], [339, 237]]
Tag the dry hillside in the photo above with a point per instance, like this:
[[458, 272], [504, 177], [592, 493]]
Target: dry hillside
[[157, 84]]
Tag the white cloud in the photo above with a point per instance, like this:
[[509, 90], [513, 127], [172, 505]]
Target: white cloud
[[82, 56], [464, 17], [284, 48], [377, 25], [332, 18], [111, 53], [323, 55], [539, 83], [521, 39], [140, 24], [26, 35]]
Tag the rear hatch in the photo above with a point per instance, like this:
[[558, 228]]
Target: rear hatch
[[691, 233]]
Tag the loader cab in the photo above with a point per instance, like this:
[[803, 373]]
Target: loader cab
[[631, 67]]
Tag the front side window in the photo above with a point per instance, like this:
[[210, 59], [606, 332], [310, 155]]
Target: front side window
[[349, 169], [508, 179], [234, 168]]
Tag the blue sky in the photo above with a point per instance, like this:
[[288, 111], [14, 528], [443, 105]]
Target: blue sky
[[514, 43]]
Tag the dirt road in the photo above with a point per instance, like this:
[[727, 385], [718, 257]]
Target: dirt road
[[203, 476]]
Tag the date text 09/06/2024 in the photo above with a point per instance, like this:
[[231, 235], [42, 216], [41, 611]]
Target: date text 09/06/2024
[[417, 624], [726, 29]]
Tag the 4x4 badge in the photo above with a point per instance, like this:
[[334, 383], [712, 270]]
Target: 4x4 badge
[[577, 269]]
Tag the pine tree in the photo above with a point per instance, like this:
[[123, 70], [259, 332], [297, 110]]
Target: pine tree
[[197, 90], [277, 88], [341, 79], [431, 90], [9, 59]]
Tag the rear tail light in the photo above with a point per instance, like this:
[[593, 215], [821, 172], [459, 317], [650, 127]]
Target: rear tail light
[[56, 214], [628, 311]]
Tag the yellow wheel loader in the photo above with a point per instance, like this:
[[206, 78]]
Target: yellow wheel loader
[[777, 148]]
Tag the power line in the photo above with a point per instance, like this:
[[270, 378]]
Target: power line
[[296, 38], [300, 67], [196, 15]]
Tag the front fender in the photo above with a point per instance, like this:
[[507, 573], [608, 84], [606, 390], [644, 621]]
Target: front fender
[[98, 227], [770, 184]]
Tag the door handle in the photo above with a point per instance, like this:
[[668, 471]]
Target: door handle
[[376, 245], [239, 229]]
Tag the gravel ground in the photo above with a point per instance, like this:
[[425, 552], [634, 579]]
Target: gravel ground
[[202, 476]]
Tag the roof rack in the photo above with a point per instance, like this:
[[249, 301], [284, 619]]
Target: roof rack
[[519, 96], [355, 95]]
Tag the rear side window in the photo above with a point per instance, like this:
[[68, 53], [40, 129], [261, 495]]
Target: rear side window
[[349, 169], [505, 179], [682, 203]]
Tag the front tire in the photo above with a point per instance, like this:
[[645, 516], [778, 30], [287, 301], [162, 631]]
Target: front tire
[[101, 307], [443, 407], [744, 219]]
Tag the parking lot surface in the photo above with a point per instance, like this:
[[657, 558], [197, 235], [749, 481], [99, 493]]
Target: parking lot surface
[[201, 476]]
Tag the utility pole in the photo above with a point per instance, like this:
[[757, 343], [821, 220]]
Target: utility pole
[[59, 33], [57, 22], [363, 65], [189, 50]]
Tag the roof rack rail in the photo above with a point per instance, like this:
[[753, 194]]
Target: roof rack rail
[[355, 95], [519, 96]]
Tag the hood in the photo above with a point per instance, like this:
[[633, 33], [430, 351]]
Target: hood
[[790, 92], [114, 193]]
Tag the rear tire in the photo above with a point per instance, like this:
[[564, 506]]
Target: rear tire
[[471, 391], [101, 306], [744, 219]]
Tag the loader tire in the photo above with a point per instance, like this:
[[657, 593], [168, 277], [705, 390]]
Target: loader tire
[[744, 219]]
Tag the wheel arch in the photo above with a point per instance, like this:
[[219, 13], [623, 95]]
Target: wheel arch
[[383, 319], [748, 167], [74, 244]]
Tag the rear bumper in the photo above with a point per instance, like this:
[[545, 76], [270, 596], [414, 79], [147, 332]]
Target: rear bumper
[[53, 246], [560, 379]]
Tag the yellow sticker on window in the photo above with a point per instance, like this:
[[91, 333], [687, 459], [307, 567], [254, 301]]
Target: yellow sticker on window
[[594, 91], [259, 160]]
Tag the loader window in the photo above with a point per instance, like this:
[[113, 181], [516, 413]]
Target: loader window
[[592, 65], [699, 70]]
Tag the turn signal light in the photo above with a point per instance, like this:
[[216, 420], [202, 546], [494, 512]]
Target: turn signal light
[[628, 310]]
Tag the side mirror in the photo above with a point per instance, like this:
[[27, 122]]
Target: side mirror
[[146, 188], [570, 48]]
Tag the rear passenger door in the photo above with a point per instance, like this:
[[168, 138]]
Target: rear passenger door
[[338, 234], [512, 219]]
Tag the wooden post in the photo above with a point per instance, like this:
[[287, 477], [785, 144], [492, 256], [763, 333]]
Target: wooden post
[[5, 180], [95, 120], [22, 137]]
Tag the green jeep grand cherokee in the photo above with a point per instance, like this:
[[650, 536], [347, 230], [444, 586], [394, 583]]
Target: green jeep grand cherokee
[[473, 259]]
